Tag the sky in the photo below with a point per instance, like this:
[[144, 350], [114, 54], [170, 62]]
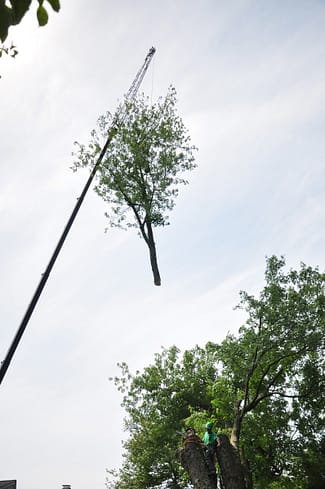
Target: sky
[[250, 80]]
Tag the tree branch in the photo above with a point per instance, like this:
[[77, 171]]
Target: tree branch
[[258, 396], [137, 215]]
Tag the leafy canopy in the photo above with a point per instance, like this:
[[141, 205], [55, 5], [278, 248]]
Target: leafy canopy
[[143, 166], [265, 385]]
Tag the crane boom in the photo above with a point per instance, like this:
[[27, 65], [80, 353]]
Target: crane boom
[[117, 120]]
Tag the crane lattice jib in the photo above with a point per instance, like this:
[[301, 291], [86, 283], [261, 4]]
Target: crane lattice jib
[[139, 76], [133, 90]]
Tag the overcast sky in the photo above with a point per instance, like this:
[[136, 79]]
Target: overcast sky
[[250, 82]]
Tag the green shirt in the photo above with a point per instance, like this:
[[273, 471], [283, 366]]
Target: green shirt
[[209, 438]]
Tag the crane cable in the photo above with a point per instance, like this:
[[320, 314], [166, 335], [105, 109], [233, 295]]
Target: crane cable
[[152, 79]]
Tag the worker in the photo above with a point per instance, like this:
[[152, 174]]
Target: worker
[[211, 442]]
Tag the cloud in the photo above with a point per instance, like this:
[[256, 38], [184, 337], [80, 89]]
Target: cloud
[[249, 79]]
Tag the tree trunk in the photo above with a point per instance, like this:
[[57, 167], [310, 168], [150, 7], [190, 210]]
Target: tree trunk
[[153, 254], [230, 465], [235, 433], [246, 469], [234, 441], [192, 458]]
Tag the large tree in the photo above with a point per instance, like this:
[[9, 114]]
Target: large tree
[[141, 171], [275, 368], [264, 388]]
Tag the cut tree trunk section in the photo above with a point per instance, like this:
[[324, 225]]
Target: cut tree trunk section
[[230, 465], [193, 459], [153, 254]]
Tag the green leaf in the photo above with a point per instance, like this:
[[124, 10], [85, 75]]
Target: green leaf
[[19, 9], [55, 4], [42, 16], [5, 21]]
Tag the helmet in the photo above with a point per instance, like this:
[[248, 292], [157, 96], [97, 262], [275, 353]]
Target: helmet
[[209, 425]]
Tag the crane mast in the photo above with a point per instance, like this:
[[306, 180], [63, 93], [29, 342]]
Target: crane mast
[[117, 120]]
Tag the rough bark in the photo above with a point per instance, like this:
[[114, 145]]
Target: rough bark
[[192, 458], [230, 465], [246, 470]]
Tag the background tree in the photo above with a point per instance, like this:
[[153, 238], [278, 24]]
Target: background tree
[[264, 388], [140, 173], [157, 401]]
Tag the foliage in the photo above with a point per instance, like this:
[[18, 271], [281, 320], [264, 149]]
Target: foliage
[[313, 462], [140, 173], [275, 368], [10, 51], [264, 387], [13, 11], [157, 403]]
